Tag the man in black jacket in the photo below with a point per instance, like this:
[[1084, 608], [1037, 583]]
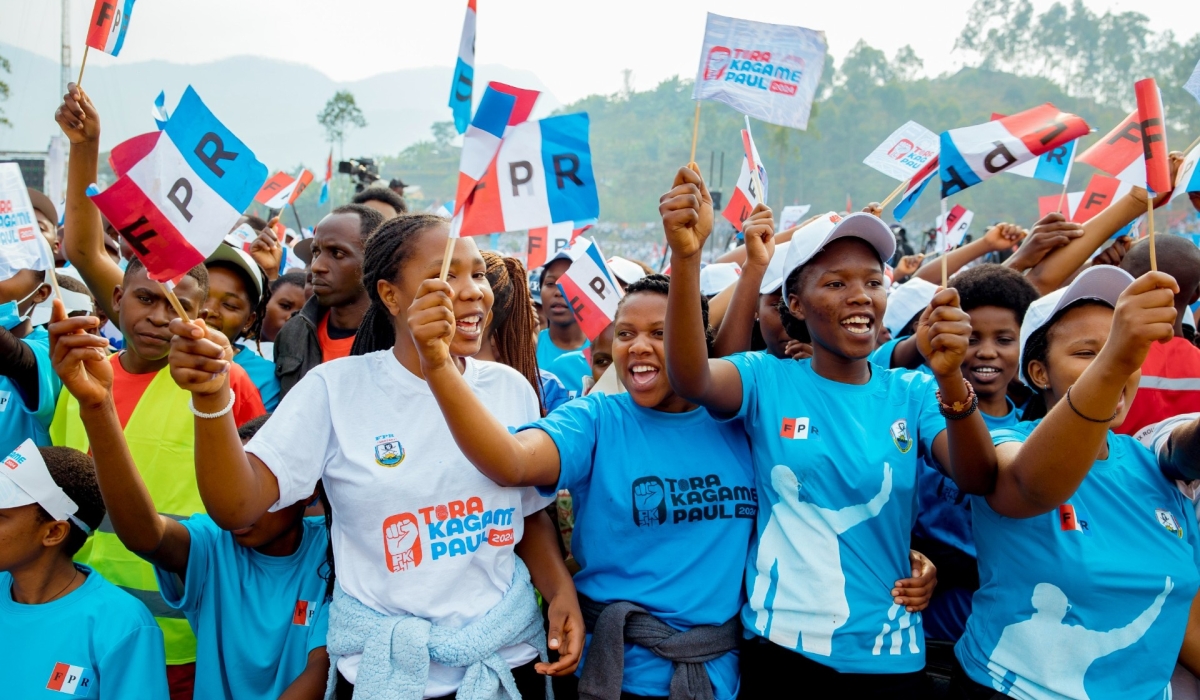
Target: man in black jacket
[[324, 329]]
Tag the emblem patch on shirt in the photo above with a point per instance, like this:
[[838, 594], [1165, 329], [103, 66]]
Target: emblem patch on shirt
[[1073, 519], [900, 436], [388, 451], [794, 429], [402, 542], [70, 680], [649, 501], [1167, 519], [304, 613]]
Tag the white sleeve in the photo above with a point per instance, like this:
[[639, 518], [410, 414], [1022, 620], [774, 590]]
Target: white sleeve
[[1155, 436], [296, 441]]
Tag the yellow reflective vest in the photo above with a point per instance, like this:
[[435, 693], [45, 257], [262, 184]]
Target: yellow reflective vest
[[161, 436]]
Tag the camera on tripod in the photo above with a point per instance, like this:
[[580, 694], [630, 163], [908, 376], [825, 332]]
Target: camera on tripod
[[363, 170]]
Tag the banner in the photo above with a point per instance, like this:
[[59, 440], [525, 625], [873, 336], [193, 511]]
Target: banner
[[110, 21], [1101, 192], [175, 205], [464, 72], [745, 193], [1154, 136], [1120, 152], [906, 151], [972, 154], [590, 289], [792, 215], [766, 71], [21, 244], [952, 227]]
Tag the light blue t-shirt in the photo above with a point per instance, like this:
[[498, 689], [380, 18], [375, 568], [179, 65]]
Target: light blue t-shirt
[[664, 512], [95, 642], [1092, 598], [255, 617], [570, 371], [836, 468], [17, 422], [882, 356], [554, 394], [944, 515], [262, 373]]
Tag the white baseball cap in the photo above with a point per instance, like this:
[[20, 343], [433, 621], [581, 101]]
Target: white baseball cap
[[773, 277], [717, 277], [242, 260], [25, 480], [627, 271], [907, 301], [812, 239], [1102, 283]]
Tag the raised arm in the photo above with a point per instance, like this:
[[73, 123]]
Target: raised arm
[[237, 488], [999, 237], [83, 231], [1043, 472], [529, 458], [1050, 233], [687, 215], [734, 330], [81, 360]]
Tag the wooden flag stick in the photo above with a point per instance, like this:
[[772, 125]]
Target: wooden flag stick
[[695, 134], [1189, 148], [945, 277], [82, 65], [174, 301], [446, 258], [895, 192], [1150, 221]]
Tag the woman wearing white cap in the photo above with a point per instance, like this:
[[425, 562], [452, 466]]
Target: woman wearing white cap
[[1087, 568], [835, 443]]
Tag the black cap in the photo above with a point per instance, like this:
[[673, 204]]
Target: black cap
[[397, 182], [42, 203]]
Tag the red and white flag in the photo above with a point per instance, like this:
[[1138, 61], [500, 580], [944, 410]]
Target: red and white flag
[[1101, 192], [283, 189], [590, 288], [1120, 152], [745, 194], [1154, 135], [952, 227]]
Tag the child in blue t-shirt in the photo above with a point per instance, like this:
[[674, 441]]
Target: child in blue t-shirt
[[835, 443], [255, 597], [66, 630], [28, 387], [1088, 561]]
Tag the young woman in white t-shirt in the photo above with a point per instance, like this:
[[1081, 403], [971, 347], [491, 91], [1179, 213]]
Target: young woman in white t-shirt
[[425, 547]]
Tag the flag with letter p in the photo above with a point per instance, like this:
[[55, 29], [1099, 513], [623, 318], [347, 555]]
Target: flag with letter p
[[972, 154], [110, 21], [745, 194], [952, 227], [175, 205], [590, 288]]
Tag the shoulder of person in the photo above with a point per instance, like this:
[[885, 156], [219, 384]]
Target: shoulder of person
[[120, 610], [499, 373], [1015, 433]]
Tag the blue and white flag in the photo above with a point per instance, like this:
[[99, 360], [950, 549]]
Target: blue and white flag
[[159, 112], [464, 72]]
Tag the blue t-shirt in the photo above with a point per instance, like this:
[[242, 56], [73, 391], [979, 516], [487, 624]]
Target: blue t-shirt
[[664, 512], [944, 515], [554, 394], [882, 356], [255, 617], [1092, 598], [836, 469], [571, 371], [95, 642], [262, 373], [17, 422]]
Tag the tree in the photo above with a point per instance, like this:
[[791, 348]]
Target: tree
[[7, 68], [339, 115]]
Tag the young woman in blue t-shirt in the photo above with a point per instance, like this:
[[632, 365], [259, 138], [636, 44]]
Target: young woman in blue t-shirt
[[832, 440], [1087, 551]]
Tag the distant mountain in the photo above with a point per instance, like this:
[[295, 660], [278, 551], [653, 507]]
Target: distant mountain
[[272, 105]]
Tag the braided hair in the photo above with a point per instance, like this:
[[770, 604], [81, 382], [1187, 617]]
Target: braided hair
[[513, 322], [386, 250]]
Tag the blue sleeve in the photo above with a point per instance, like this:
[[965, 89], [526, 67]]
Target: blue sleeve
[[748, 365], [882, 355], [135, 667], [320, 628], [205, 536], [930, 421], [573, 428]]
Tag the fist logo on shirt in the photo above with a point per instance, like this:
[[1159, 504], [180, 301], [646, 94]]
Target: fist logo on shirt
[[402, 542], [649, 502]]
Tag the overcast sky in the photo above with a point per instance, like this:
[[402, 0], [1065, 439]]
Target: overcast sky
[[576, 48]]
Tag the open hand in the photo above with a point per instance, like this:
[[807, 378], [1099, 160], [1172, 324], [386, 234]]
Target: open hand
[[687, 213], [943, 333], [759, 231], [914, 593], [79, 358], [267, 252], [1145, 313], [200, 357], [565, 634], [77, 116], [431, 322]]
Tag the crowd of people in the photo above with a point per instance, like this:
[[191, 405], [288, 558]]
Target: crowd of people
[[818, 477]]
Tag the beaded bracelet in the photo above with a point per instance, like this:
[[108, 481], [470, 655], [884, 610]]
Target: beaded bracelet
[[218, 414], [960, 409]]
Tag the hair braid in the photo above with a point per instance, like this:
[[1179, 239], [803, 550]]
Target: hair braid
[[513, 324], [386, 250]]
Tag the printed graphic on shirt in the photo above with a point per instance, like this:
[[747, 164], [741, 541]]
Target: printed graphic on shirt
[[304, 613], [794, 429], [691, 500], [901, 437], [388, 451], [1167, 519], [1047, 653], [451, 529], [896, 645], [810, 594], [1073, 519], [5, 396], [70, 680], [14, 460]]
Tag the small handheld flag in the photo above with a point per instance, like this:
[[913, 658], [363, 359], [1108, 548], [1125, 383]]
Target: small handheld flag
[[464, 72], [1154, 150], [110, 21], [915, 186], [283, 189], [159, 112], [905, 151], [952, 227], [751, 183], [590, 288], [328, 176], [1120, 153], [1101, 192]]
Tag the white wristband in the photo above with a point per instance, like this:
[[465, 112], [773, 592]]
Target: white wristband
[[218, 414]]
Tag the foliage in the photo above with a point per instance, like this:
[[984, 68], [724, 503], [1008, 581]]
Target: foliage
[[340, 114]]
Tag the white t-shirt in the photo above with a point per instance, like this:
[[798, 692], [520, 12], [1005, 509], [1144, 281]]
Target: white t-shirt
[[416, 528]]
